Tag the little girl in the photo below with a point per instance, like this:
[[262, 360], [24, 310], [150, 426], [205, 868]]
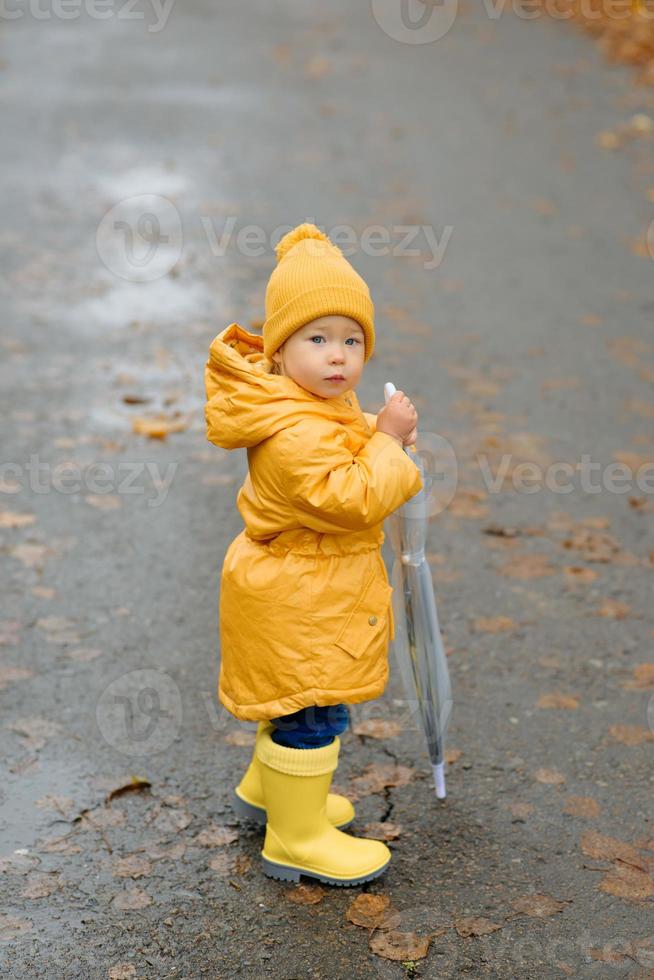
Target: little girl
[[305, 610]]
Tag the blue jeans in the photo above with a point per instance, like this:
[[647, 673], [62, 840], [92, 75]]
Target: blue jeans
[[312, 727]]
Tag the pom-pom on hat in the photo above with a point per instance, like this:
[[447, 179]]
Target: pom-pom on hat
[[313, 278]]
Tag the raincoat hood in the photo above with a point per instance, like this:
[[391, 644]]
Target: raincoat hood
[[249, 405]]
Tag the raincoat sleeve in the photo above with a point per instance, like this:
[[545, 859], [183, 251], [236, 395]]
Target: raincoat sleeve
[[334, 491], [371, 420]]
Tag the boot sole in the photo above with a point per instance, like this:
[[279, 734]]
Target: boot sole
[[285, 872], [247, 811]]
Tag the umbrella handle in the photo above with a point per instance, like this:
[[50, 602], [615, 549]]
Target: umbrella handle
[[389, 391]]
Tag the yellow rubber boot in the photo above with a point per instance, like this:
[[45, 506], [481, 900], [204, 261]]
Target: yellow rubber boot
[[299, 837], [248, 799]]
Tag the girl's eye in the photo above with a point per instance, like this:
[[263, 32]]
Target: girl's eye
[[354, 339]]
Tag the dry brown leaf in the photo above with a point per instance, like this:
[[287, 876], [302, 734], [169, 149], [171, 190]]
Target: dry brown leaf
[[400, 946], [627, 882], [160, 426], [604, 848], [226, 864], [538, 906], [527, 566], [556, 700], [36, 731], [577, 573], [581, 806], [494, 624], [9, 675], [631, 734], [240, 737], [382, 831], [642, 680], [593, 545], [475, 925], [551, 777], [451, 755], [121, 971], [306, 894], [104, 501], [370, 911], [377, 728], [131, 899], [377, 777], [215, 835], [468, 504], [41, 884], [131, 866], [520, 810], [613, 609], [11, 927], [13, 519]]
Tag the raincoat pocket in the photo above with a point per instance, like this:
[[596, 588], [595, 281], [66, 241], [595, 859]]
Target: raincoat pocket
[[369, 618]]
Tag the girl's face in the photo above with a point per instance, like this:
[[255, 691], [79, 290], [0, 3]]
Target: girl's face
[[322, 349]]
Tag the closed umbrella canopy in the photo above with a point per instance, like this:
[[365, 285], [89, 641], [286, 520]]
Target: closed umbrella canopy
[[418, 643]]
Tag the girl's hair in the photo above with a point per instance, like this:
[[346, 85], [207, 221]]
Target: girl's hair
[[271, 367]]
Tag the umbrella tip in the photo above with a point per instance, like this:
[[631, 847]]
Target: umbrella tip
[[439, 779]]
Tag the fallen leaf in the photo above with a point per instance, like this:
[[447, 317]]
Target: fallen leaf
[[306, 894], [377, 777], [131, 866], [581, 806], [642, 680], [577, 573], [41, 885], [550, 777], [473, 925], [12, 927], [382, 831], [527, 566], [377, 728], [369, 911], [400, 946], [613, 609], [520, 810], [240, 737], [160, 426], [13, 519], [627, 882], [604, 848], [132, 899], [215, 835], [555, 700], [9, 675], [494, 624], [631, 734], [538, 906], [121, 971], [104, 501]]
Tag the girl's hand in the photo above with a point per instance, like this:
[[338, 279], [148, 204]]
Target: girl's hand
[[398, 418], [411, 438]]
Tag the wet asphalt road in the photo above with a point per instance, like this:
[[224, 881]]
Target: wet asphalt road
[[521, 329]]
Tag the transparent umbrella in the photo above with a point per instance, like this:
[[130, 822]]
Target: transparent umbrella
[[418, 643]]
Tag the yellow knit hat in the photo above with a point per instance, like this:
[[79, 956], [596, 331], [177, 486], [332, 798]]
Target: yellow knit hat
[[313, 278]]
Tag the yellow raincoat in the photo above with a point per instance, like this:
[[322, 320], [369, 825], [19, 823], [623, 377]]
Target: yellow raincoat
[[305, 613]]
